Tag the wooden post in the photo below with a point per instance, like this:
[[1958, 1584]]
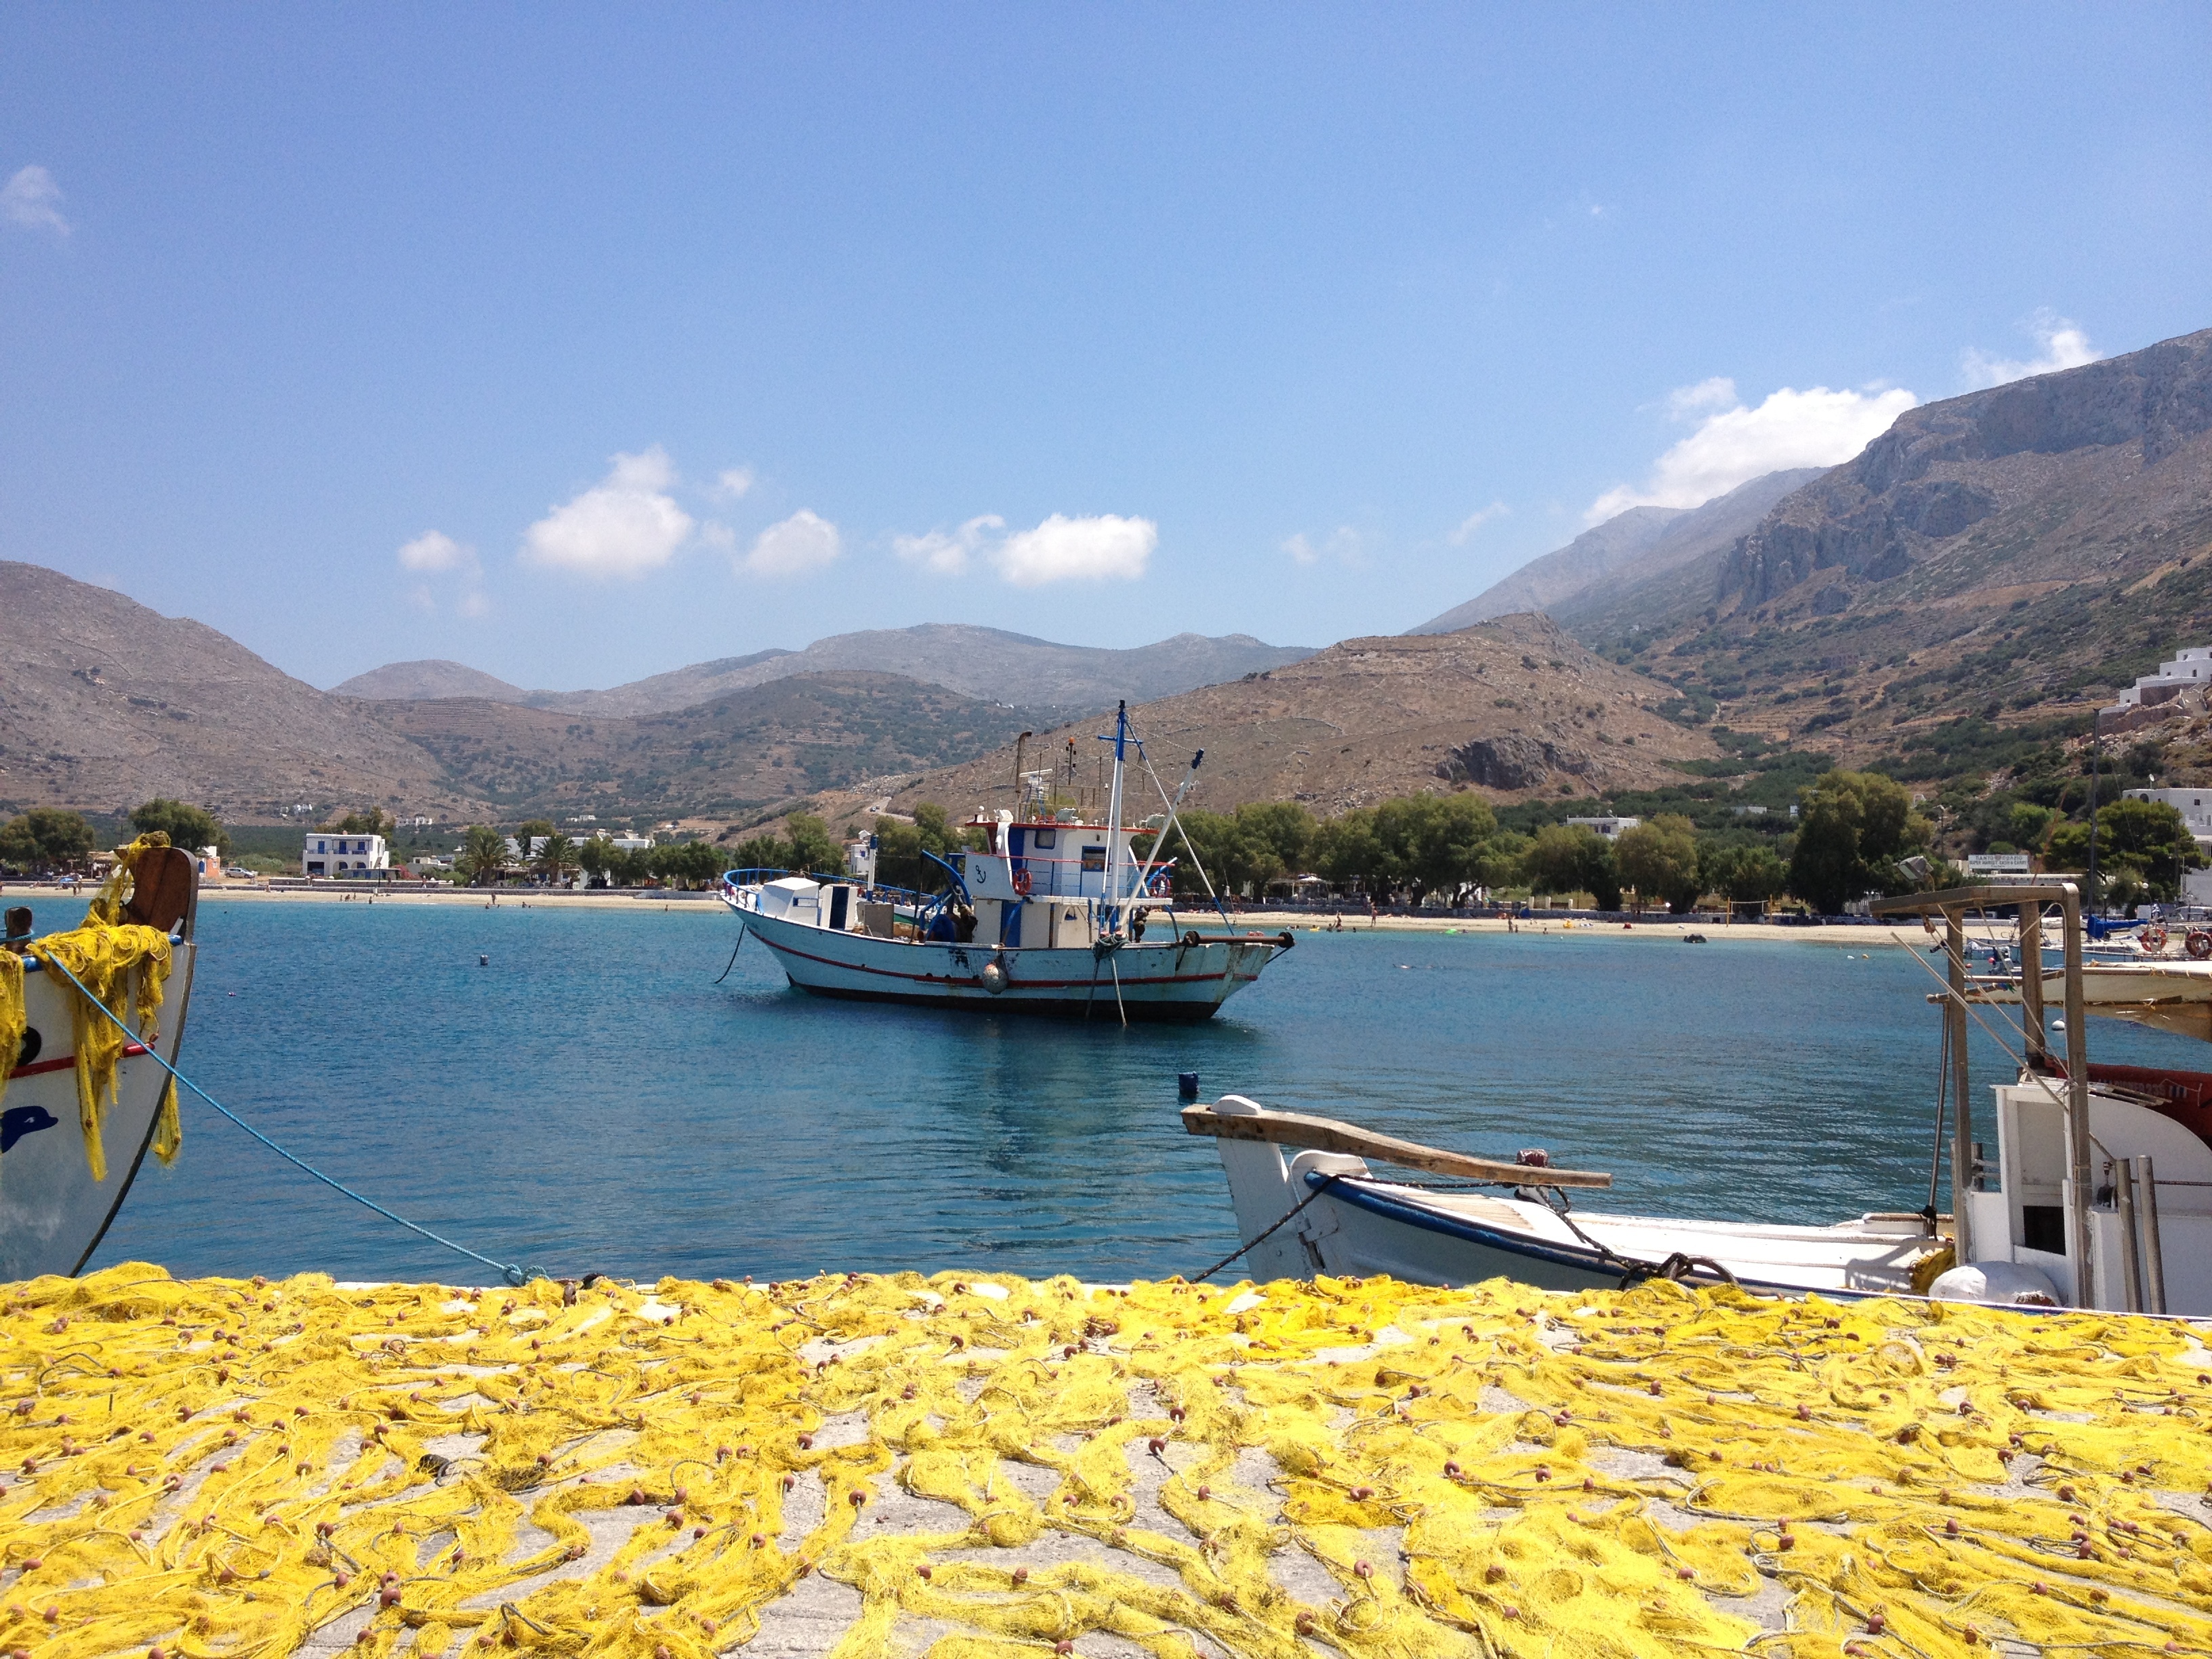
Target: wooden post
[[2078, 1184], [1962, 1105]]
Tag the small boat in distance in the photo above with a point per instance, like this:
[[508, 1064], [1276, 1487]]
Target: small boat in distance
[[60, 1183], [1055, 913], [2098, 1194]]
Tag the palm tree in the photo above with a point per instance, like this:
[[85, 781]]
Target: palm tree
[[483, 856], [556, 858]]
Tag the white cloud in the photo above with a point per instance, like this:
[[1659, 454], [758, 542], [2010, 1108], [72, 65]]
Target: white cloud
[[1475, 520], [626, 526], [32, 200], [435, 550], [800, 543], [732, 482], [474, 603], [949, 552], [1344, 545], [1059, 550], [1063, 548], [1735, 444], [2064, 345]]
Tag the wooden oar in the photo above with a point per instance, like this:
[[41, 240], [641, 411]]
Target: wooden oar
[[1326, 1134]]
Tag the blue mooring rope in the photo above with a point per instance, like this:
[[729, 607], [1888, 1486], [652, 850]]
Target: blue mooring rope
[[514, 1275]]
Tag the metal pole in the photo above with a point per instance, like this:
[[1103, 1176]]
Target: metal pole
[[1962, 1133], [2154, 1250], [2030, 985], [2077, 1104], [2124, 1206], [2096, 719]]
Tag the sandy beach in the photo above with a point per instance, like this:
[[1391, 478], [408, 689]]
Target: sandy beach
[[1668, 929]]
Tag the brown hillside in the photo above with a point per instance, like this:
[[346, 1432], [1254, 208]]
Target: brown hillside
[[2014, 554], [1512, 707], [105, 703], [730, 758]]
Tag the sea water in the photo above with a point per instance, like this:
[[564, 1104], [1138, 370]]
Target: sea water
[[587, 1099]]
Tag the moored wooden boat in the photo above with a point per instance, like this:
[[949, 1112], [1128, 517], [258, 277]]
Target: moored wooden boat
[[2099, 1195], [60, 1186]]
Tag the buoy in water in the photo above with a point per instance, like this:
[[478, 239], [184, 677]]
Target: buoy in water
[[484, 961], [1186, 1084], [994, 977]]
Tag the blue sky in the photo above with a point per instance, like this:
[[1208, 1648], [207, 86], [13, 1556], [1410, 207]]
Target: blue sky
[[580, 342]]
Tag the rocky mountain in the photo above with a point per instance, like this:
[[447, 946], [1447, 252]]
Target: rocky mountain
[[2011, 554], [1626, 549], [105, 703], [1513, 708], [732, 757], [977, 662], [434, 676]]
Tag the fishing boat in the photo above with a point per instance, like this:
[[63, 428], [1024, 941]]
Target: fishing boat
[[61, 1179], [2098, 1194], [1053, 910]]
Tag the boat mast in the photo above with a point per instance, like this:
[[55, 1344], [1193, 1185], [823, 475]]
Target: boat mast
[[1113, 916]]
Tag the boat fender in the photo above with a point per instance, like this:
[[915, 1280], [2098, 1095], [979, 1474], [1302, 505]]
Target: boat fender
[[1192, 938], [2004, 1282], [994, 977], [1284, 939], [1022, 882], [2200, 945], [1534, 1157], [2152, 937]]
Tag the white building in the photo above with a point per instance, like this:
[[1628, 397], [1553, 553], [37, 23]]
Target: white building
[[1609, 827], [630, 843], [2190, 667], [328, 853], [2195, 806]]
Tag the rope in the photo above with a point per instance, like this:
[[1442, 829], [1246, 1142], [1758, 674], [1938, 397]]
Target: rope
[[513, 1274], [734, 949], [1326, 1181]]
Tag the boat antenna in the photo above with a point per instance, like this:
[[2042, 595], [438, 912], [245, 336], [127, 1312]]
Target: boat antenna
[[1019, 742]]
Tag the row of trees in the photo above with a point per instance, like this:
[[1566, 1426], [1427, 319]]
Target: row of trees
[[47, 839]]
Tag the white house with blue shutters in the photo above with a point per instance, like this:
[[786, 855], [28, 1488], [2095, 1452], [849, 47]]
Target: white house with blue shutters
[[330, 854]]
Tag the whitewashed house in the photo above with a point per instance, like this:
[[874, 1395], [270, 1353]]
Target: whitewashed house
[[330, 854]]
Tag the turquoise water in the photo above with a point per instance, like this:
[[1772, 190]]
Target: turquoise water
[[591, 1101]]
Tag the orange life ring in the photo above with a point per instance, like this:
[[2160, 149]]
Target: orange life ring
[[1022, 882], [2200, 945], [2152, 937]]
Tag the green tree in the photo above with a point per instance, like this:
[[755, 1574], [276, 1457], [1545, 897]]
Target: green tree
[[530, 828], [482, 858], [815, 850], [2146, 841], [1274, 839], [763, 853], [365, 821], [45, 839], [1659, 859], [1567, 858], [186, 826], [596, 856], [1433, 843], [556, 858], [1743, 874], [1852, 827], [1348, 849]]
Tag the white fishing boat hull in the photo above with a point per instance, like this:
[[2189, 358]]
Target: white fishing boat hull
[[52, 1212], [1355, 1224], [1168, 980]]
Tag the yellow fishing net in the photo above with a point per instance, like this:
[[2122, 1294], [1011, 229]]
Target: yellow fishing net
[[126, 966], [983, 1469]]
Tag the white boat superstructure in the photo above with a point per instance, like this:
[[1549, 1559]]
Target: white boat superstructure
[[57, 1195], [2095, 1189], [1054, 912]]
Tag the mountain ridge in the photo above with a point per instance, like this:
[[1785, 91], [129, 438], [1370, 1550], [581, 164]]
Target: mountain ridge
[[1627, 549], [988, 663]]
